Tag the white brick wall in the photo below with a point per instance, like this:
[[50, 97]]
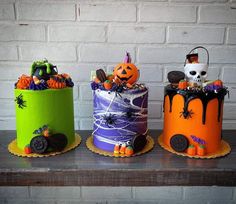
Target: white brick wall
[[118, 195], [80, 36]]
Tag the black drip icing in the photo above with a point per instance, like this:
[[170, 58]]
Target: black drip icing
[[189, 95]]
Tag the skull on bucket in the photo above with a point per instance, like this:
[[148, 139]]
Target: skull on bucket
[[196, 73]]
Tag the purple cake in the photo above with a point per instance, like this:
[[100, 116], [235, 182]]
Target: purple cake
[[120, 110]]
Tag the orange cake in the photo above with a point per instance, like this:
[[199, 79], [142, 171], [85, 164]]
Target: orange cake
[[193, 110]]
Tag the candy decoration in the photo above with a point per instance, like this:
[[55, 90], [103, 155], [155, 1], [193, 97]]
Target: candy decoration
[[56, 83], [127, 71], [27, 149], [174, 77], [101, 75], [110, 77], [139, 142], [23, 82], [107, 85], [39, 144], [183, 84], [117, 149], [179, 143], [191, 150], [218, 83], [57, 142], [201, 150], [129, 151], [192, 58], [123, 148]]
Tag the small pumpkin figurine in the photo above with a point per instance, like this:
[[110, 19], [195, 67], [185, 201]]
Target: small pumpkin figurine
[[127, 72]]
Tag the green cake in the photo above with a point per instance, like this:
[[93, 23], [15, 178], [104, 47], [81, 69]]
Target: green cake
[[44, 110]]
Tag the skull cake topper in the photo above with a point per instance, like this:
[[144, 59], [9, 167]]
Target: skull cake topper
[[195, 72]]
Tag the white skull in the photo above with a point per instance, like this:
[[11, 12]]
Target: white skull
[[196, 73]]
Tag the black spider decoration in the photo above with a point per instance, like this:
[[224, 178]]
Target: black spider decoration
[[119, 89], [186, 114], [129, 114], [20, 102], [109, 120]]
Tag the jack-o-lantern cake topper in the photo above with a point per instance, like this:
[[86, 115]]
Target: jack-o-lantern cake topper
[[126, 72]]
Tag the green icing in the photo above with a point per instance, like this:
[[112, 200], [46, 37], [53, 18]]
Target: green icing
[[52, 107]]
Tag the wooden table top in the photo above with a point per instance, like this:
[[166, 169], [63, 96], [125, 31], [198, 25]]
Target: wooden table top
[[81, 167]]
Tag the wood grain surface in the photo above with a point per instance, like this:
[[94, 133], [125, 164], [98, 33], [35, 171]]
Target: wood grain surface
[[81, 167]]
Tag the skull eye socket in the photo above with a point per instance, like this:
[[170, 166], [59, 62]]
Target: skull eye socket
[[193, 73], [203, 73]]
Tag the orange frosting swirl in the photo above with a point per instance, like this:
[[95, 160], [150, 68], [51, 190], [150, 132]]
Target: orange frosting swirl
[[24, 82], [56, 82]]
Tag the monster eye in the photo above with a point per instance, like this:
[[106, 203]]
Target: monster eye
[[129, 68], [193, 72], [203, 73]]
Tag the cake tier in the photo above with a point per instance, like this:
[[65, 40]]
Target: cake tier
[[193, 117], [119, 117], [51, 107]]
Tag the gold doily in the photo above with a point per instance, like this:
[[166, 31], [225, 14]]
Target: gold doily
[[148, 147], [13, 148], [223, 150]]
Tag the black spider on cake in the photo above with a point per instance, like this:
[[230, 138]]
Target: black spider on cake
[[109, 120], [186, 114], [20, 102]]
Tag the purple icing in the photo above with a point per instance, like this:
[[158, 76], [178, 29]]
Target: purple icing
[[119, 118], [41, 86]]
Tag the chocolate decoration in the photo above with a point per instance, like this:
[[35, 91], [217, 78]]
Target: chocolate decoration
[[189, 95], [192, 57], [101, 75], [39, 144], [57, 142], [139, 142], [179, 143], [175, 76]]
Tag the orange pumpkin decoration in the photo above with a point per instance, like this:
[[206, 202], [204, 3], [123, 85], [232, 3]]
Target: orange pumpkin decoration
[[191, 150], [201, 150], [129, 151], [127, 71], [107, 85], [56, 82], [218, 82], [183, 84], [24, 82]]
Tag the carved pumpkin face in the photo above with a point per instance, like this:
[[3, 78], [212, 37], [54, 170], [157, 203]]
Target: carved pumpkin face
[[126, 72]]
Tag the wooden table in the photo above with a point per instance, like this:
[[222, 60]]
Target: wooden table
[[80, 167]]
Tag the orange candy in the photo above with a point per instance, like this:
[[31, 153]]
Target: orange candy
[[24, 82], [183, 84], [201, 150], [129, 151], [107, 85], [191, 150], [56, 84]]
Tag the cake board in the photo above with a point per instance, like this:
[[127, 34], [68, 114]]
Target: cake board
[[223, 150], [12, 148], [148, 147]]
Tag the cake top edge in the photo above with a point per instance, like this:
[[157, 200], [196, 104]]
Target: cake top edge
[[43, 75]]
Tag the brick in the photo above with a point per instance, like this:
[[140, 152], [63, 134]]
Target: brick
[[162, 54], [105, 53], [76, 91], [133, 202], [55, 192], [8, 52], [7, 12], [229, 111], [7, 89], [12, 192], [196, 35], [172, 193], [200, 1], [155, 124], [166, 201], [13, 71], [222, 55], [105, 192], [83, 202], [22, 33], [85, 92], [156, 92], [166, 13], [30, 201], [217, 14], [220, 202], [62, 33], [136, 34], [154, 110], [60, 53], [107, 12], [205, 193], [213, 72], [228, 125], [46, 11], [79, 72], [85, 109], [232, 94], [150, 73], [86, 124], [229, 74], [7, 108], [8, 124], [231, 36]]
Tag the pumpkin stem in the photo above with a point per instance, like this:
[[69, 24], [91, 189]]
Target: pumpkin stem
[[127, 58]]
